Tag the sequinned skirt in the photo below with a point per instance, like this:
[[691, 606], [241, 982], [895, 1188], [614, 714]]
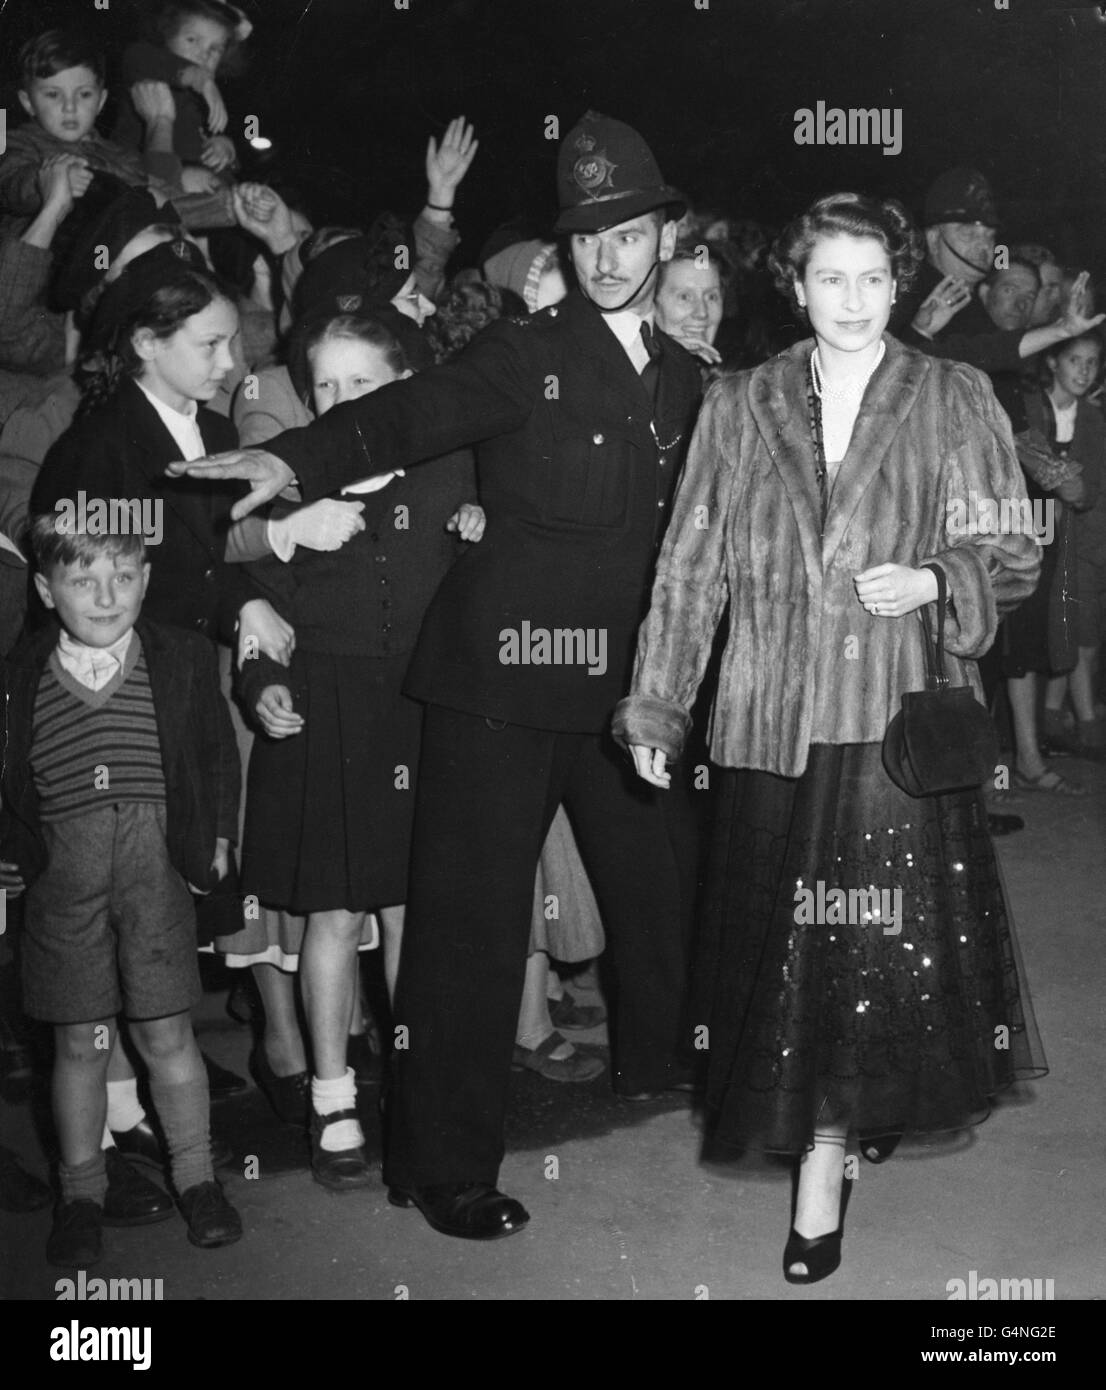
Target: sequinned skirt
[[906, 1010]]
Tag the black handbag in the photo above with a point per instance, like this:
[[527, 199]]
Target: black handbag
[[943, 739]]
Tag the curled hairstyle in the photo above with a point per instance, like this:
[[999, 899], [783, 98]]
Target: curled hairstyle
[[465, 310], [167, 309], [166, 22], [846, 214], [53, 546], [54, 52], [355, 328]]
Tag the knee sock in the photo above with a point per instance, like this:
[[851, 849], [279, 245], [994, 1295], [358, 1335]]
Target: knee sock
[[329, 1096], [184, 1107], [124, 1108], [85, 1180]]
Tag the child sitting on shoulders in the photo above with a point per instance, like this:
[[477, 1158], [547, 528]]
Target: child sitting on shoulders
[[61, 88], [120, 791]]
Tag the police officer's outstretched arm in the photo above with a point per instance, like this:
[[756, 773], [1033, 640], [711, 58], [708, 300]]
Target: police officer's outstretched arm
[[489, 390]]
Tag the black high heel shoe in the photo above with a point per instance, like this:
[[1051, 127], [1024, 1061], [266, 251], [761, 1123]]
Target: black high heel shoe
[[878, 1148], [820, 1254]]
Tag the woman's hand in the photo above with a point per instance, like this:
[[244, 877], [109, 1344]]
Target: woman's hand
[[649, 763], [892, 591], [260, 627], [468, 521], [218, 152], [275, 713], [699, 347], [941, 305]]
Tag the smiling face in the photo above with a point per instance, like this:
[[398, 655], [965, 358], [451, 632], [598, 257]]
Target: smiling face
[[1075, 368], [200, 41], [1009, 297], [189, 364], [848, 289], [67, 104], [96, 603], [689, 301], [614, 266], [344, 368]]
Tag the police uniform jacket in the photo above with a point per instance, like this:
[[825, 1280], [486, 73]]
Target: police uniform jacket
[[576, 469]]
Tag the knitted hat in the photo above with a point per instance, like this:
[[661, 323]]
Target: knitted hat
[[520, 268]]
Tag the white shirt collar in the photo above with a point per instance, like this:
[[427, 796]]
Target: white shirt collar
[[626, 327], [94, 667], [182, 425]]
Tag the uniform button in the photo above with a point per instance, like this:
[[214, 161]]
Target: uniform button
[[209, 574], [383, 579], [386, 628], [597, 439], [660, 504], [380, 559], [201, 623]]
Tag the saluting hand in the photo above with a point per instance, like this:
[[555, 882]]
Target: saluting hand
[[267, 475]]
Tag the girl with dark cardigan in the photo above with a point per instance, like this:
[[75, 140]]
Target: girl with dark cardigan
[[331, 789], [817, 487]]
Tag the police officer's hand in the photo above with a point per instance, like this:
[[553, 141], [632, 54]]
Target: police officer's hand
[[649, 763], [267, 475]]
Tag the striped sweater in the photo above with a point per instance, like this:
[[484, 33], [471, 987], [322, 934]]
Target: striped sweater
[[92, 749]]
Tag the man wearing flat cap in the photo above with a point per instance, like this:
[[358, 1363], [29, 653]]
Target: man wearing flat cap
[[581, 415]]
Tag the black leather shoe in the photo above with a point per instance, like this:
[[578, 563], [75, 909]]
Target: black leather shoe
[[211, 1219], [288, 1095], [20, 1190], [142, 1144], [337, 1169], [76, 1237], [470, 1210], [220, 1082], [131, 1198]]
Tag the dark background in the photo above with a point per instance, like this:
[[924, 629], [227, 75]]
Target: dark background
[[349, 90]]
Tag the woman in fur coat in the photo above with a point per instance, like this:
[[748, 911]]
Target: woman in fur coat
[[817, 487]]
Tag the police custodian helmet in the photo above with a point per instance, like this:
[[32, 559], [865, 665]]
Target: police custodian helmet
[[606, 174]]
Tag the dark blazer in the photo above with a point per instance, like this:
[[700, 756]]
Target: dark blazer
[[122, 449], [198, 750], [804, 661], [576, 488]]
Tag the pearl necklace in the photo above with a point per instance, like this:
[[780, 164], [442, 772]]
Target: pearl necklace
[[853, 390]]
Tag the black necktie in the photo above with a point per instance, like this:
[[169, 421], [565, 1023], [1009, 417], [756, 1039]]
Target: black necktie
[[651, 372]]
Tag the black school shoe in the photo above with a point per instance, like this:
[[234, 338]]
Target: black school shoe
[[76, 1237], [221, 1082], [210, 1218], [132, 1199]]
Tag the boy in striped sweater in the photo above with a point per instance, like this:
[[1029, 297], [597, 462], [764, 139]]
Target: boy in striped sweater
[[119, 788]]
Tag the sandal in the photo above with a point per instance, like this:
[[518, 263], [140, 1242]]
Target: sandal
[[577, 1067], [1049, 781]]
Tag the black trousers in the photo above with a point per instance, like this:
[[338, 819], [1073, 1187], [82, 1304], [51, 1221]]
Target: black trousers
[[486, 796]]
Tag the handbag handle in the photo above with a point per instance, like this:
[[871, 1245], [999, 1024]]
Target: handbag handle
[[936, 678]]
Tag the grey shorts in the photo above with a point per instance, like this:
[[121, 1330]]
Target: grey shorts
[[109, 926]]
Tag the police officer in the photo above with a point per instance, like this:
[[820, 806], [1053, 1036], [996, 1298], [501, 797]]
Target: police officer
[[581, 414]]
